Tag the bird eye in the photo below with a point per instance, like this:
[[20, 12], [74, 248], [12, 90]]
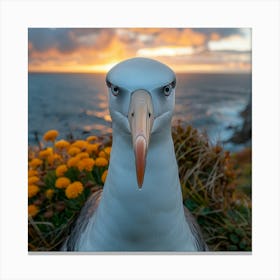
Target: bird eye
[[167, 90], [115, 90]]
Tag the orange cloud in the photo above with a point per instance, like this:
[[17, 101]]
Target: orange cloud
[[215, 36], [96, 50], [186, 37], [165, 51]]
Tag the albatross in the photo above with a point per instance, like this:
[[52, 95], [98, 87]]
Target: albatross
[[140, 207]]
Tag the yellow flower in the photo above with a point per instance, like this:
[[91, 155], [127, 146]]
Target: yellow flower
[[92, 148], [32, 172], [34, 163], [32, 190], [82, 155], [107, 150], [45, 153], [32, 210], [62, 144], [50, 135], [91, 138], [80, 144], [86, 164], [62, 182], [33, 180], [74, 190], [60, 170], [101, 162], [51, 159], [49, 193], [102, 154], [72, 161], [105, 153], [57, 156], [104, 175], [74, 151]]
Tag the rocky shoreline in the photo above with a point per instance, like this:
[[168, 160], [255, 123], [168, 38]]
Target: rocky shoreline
[[243, 135]]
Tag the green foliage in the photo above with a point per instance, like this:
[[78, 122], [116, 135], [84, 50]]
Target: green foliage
[[210, 179], [216, 188], [52, 210]]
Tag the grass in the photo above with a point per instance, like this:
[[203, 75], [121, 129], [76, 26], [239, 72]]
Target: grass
[[216, 187]]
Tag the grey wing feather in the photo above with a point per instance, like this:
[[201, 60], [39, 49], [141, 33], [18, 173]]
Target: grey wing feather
[[87, 212], [195, 229]]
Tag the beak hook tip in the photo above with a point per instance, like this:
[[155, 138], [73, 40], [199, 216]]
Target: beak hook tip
[[140, 184]]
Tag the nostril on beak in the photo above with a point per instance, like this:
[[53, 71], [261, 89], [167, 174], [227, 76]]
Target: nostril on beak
[[132, 114]]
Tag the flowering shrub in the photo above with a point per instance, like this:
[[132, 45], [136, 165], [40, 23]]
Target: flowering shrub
[[215, 187], [61, 175]]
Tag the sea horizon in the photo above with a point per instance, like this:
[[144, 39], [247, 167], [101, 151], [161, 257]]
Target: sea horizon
[[210, 102]]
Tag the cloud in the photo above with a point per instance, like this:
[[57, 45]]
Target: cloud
[[86, 48], [45, 39], [232, 43], [223, 32], [182, 37], [67, 40]]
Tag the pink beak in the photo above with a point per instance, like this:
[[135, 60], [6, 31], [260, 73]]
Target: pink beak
[[141, 119]]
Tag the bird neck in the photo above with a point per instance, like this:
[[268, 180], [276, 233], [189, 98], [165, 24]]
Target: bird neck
[[161, 174], [127, 216]]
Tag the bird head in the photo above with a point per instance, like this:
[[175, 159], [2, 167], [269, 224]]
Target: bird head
[[141, 103]]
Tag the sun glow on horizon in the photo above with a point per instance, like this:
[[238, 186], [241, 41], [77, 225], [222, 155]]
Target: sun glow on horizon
[[98, 50], [226, 67], [99, 68], [103, 68], [165, 51]]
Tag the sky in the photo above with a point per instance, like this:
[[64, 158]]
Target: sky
[[97, 50]]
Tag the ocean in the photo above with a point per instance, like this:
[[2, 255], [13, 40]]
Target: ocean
[[77, 104]]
